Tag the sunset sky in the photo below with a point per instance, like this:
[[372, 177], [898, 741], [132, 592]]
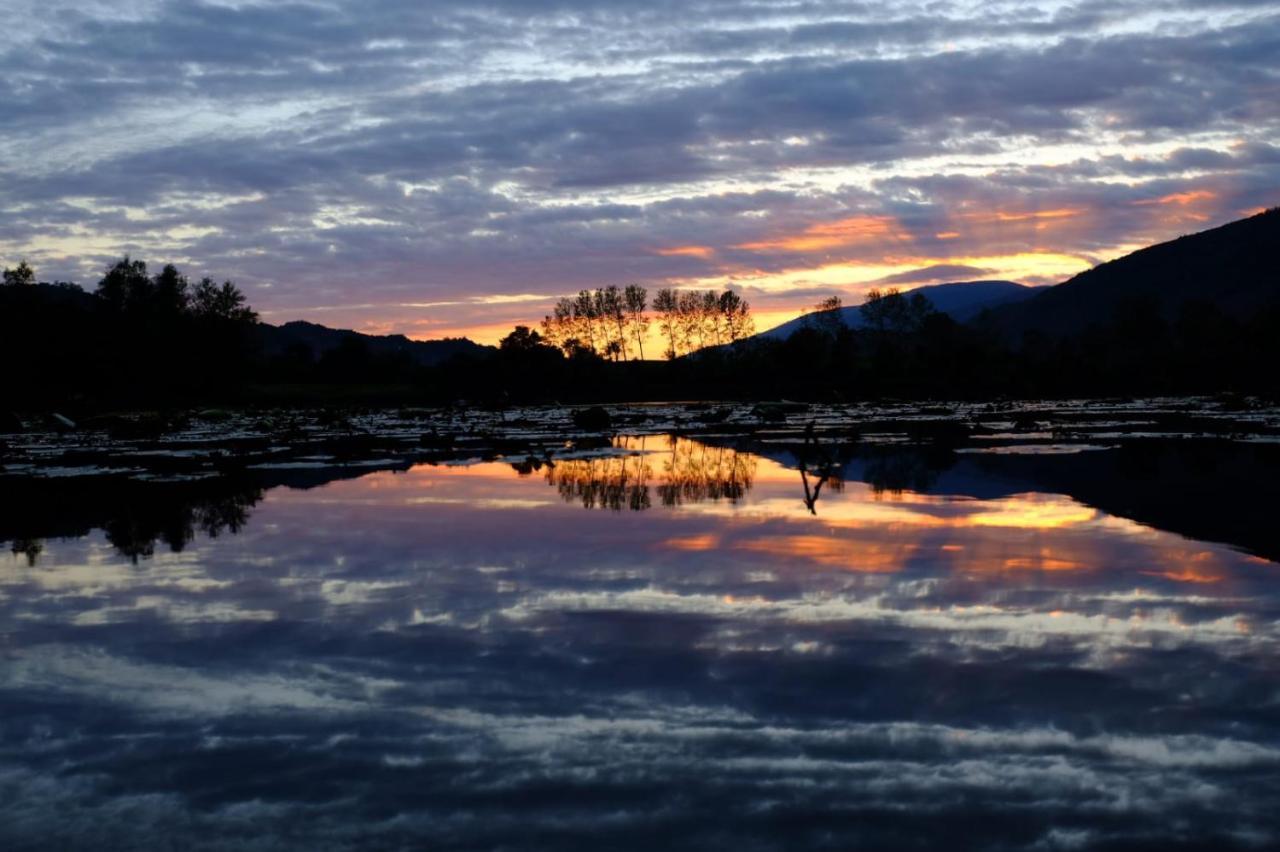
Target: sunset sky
[[448, 167]]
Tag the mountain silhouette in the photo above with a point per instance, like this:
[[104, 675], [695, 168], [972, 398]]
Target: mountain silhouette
[[960, 300], [1232, 268], [319, 340]]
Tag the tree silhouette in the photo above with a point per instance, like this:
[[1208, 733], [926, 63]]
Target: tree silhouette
[[826, 316], [891, 311], [209, 301], [170, 291], [20, 276], [735, 314], [125, 286], [667, 304], [634, 301], [613, 312], [521, 339]]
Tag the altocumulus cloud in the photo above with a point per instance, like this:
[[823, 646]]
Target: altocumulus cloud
[[354, 161]]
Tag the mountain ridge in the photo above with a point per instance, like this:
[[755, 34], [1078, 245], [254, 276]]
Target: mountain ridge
[[961, 300], [279, 340], [1231, 267]]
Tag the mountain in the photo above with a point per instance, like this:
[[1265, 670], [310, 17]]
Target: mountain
[[1233, 267], [962, 301], [279, 340]]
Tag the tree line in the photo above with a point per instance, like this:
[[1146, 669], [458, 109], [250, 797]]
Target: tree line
[[126, 288], [158, 338], [612, 322], [137, 334]]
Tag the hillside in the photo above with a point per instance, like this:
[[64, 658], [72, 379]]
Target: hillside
[[961, 300], [1233, 267], [319, 339]]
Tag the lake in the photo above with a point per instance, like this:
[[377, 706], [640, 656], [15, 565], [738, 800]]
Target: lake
[[666, 637]]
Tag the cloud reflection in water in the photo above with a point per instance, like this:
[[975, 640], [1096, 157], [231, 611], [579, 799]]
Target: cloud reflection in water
[[463, 657]]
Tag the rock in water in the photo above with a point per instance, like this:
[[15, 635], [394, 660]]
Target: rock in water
[[593, 419]]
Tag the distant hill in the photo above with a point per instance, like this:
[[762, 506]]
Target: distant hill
[[961, 300], [319, 339], [1235, 267]]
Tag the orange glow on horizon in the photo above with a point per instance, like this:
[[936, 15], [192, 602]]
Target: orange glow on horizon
[[849, 256]]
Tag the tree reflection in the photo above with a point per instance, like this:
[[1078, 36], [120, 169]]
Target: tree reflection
[[140, 526], [686, 471], [895, 472], [820, 463], [135, 516], [31, 548]]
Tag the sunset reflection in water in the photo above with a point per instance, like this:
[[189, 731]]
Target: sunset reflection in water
[[598, 645]]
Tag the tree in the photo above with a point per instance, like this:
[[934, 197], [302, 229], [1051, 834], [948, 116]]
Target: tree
[[126, 285], [890, 311], [691, 328], [735, 316], [522, 339], [557, 327], [613, 312], [586, 312], [634, 301], [826, 316], [711, 318], [666, 303], [21, 276], [209, 301], [169, 290]]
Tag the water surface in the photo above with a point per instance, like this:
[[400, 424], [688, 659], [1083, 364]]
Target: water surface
[[662, 641]]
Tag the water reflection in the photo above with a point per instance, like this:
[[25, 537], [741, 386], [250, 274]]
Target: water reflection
[[825, 467], [135, 515], [678, 469], [461, 657]]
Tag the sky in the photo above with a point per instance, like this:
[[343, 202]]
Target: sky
[[448, 168]]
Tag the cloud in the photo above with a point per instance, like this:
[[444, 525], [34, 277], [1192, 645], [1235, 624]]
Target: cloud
[[427, 154]]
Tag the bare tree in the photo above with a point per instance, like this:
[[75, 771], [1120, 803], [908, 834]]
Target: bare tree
[[711, 318], [557, 327], [735, 316], [891, 311], [667, 304], [586, 313], [613, 313], [826, 316], [692, 332], [634, 299]]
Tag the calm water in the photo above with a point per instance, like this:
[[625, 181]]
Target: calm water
[[671, 643]]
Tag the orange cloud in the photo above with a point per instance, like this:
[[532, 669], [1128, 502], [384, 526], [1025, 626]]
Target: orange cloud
[[701, 252], [1042, 563], [849, 555], [1183, 198], [1001, 216], [825, 235], [693, 543], [947, 235], [1028, 511]]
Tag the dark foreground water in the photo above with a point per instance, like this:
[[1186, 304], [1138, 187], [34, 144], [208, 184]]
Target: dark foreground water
[[667, 644]]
